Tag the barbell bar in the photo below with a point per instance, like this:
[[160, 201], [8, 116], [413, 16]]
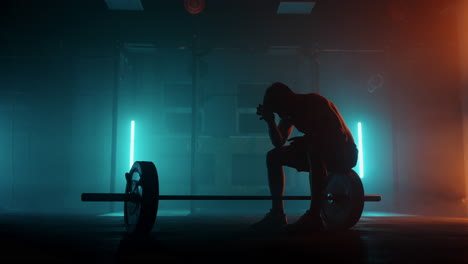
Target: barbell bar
[[342, 202], [122, 197]]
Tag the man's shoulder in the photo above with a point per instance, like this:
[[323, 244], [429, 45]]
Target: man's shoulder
[[314, 97]]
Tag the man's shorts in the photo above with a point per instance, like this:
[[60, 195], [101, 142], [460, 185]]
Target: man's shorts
[[341, 158]]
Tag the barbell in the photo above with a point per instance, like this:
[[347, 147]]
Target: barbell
[[341, 206]]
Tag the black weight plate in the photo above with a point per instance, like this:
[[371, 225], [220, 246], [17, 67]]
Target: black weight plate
[[140, 213], [346, 210]]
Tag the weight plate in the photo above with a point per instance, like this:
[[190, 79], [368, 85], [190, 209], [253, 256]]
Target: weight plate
[[345, 211], [143, 187]]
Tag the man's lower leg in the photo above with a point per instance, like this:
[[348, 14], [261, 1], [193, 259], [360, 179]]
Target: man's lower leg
[[275, 219], [317, 179], [276, 181]]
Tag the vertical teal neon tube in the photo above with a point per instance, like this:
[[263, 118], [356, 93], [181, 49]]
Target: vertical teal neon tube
[[132, 142], [361, 151]]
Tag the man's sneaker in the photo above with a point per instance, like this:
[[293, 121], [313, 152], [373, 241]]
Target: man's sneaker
[[272, 221], [307, 223]]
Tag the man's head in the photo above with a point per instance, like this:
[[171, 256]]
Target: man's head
[[278, 98]]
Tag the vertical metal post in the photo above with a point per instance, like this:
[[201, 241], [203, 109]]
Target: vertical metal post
[[395, 130], [315, 58], [115, 100], [194, 138], [13, 171]]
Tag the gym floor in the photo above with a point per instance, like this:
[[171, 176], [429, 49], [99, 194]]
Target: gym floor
[[377, 238]]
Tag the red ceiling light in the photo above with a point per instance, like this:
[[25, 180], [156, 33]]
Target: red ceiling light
[[194, 7]]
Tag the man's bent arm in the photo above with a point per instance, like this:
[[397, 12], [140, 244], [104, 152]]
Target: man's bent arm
[[279, 134]]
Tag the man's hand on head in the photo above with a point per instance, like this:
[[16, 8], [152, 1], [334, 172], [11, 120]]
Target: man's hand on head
[[265, 113]]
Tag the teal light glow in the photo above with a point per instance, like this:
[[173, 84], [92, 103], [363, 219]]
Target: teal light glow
[[361, 152], [132, 142]]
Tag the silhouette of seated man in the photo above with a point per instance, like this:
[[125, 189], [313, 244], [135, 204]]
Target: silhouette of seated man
[[326, 144]]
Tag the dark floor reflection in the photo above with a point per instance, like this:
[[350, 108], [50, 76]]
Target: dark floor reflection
[[241, 246], [227, 239]]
